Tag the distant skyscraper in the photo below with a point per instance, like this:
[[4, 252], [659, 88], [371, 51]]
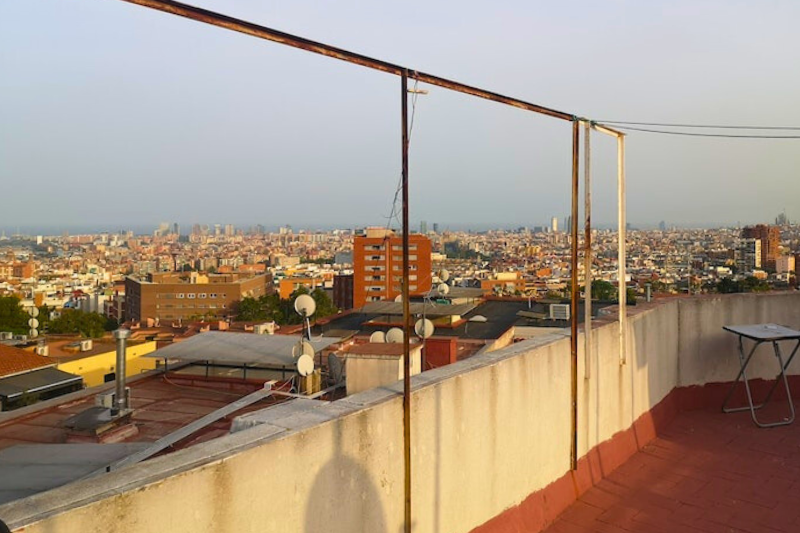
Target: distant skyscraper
[[662, 226], [423, 227], [554, 224], [176, 229], [229, 230], [436, 227]]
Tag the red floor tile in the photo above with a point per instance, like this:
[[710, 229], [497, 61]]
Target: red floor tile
[[707, 472]]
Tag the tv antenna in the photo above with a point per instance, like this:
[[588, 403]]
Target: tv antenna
[[424, 328], [394, 335], [305, 306]]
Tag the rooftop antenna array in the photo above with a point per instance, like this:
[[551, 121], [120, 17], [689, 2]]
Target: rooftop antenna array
[[304, 352]]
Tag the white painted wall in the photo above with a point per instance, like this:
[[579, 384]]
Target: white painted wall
[[487, 432]]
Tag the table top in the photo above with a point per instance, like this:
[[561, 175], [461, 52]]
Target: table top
[[764, 332]]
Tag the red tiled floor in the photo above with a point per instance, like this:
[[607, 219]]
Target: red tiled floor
[[707, 472]]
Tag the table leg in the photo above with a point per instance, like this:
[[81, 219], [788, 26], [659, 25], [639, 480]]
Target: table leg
[[744, 361]]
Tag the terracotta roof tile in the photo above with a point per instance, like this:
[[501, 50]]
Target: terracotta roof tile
[[15, 361]]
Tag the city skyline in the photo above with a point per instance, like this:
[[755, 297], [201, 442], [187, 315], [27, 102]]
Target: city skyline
[[232, 125]]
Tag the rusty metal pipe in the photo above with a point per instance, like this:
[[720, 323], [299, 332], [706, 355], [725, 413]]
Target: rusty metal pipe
[[262, 32], [406, 309], [573, 337]]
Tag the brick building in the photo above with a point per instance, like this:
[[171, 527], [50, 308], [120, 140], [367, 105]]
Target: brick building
[[174, 295], [378, 266], [770, 237]]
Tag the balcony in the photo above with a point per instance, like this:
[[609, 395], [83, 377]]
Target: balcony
[[491, 442]]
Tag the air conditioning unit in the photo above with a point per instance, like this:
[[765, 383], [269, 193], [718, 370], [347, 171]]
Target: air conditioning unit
[[264, 329], [43, 350], [6, 335], [22, 338], [86, 345], [109, 399], [559, 311]]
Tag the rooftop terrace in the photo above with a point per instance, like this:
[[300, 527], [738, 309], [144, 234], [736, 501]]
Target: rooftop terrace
[[490, 446]]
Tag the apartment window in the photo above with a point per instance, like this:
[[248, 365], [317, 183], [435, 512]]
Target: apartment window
[[412, 287], [190, 295], [374, 299], [224, 306], [201, 295], [398, 258], [212, 295], [412, 257], [212, 306], [201, 306], [400, 248], [179, 295], [375, 289], [375, 258], [375, 247], [412, 277]]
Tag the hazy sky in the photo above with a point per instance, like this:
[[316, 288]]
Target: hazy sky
[[114, 115]]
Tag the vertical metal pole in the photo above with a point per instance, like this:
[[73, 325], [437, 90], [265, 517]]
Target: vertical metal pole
[[406, 310], [573, 338], [587, 253], [121, 335], [622, 252]]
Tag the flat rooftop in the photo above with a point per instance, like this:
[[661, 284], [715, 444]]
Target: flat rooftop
[[706, 472], [161, 406]]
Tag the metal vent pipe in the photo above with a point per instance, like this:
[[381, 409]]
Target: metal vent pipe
[[121, 401]]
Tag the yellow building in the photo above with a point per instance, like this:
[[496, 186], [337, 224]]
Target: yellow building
[[98, 359]]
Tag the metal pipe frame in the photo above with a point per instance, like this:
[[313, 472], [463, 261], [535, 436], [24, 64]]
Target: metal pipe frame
[[573, 338], [622, 235], [587, 250], [269, 34], [262, 32], [406, 308]]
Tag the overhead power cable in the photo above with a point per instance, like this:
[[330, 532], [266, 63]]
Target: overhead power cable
[[718, 135], [703, 126]]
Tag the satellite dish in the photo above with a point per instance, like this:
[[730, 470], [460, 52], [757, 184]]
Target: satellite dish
[[394, 335], [378, 336], [33, 323], [478, 318], [305, 365], [436, 280], [33, 333], [33, 311], [444, 274], [424, 328], [336, 368], [305, 305], [443, 289], [398, 298], [303, 348]]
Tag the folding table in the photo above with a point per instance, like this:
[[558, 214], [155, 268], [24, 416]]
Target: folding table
[[759, 334]]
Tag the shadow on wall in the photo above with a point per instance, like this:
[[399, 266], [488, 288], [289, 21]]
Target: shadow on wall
[[356, 502]]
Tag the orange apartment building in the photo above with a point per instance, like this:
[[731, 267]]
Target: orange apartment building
[[183, 296], [378, 266]]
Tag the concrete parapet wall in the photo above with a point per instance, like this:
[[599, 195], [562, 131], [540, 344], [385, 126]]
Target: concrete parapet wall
[[487, 433]]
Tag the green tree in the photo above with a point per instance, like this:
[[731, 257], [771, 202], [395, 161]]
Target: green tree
[[12, 316], [603, 290], [90, 325]]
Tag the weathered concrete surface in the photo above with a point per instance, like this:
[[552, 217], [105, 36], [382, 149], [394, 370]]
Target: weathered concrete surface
[[487, 432]]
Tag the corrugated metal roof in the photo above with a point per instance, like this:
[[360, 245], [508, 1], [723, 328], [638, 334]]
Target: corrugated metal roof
[[36, 381], [239, 348]]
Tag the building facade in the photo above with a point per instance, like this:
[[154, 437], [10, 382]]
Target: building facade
[[186, 296], [378, 266], [770, 237]]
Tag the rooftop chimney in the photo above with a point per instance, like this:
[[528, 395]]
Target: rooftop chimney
[[121, 335]]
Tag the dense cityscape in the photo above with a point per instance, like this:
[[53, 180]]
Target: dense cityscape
[[88, 272]]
